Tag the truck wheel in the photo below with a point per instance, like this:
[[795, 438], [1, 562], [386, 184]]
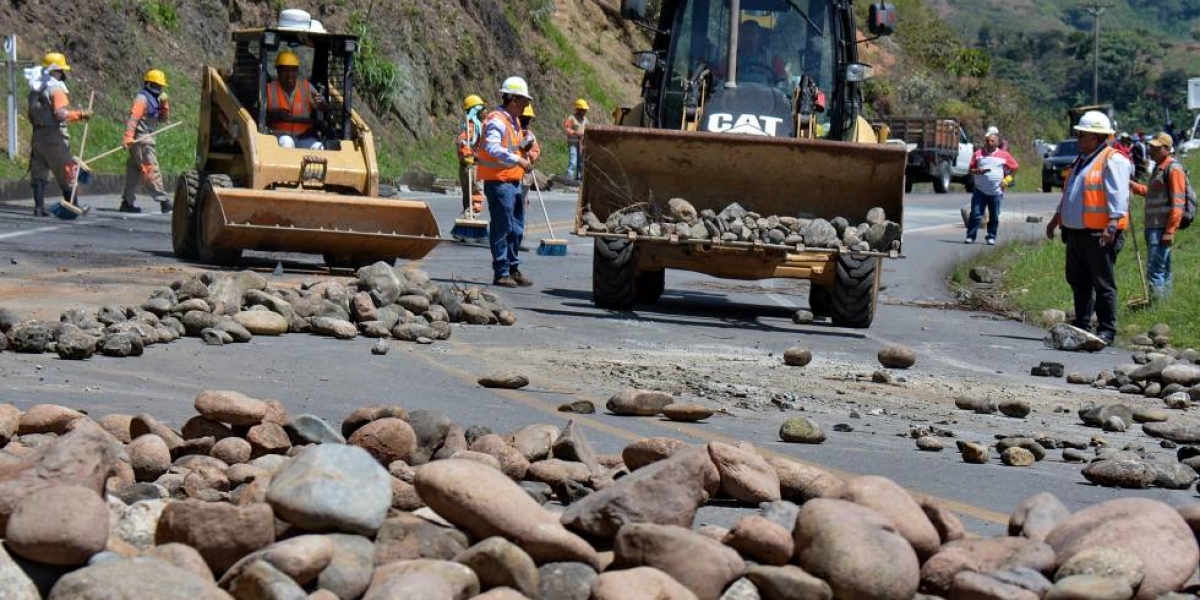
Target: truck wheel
[[183, 228], [941, 179], [204, 250], [854, 292], [819, 301], [649, 286], [1047, 188], [614, 274]]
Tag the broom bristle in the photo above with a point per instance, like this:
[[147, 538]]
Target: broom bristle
[[552, 247], [469, 230]]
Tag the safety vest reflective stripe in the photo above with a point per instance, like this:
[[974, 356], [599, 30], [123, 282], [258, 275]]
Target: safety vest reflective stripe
[[491, 168], [299, 107], [1095, 199]]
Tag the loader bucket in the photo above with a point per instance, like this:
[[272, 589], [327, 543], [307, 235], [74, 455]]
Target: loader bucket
[[317, 223], [771, 176]]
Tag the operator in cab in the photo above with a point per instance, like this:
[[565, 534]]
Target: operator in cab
[[291, 101], [756, 63]]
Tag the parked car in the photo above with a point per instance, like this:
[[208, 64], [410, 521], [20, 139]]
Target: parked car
[[1056, 166]]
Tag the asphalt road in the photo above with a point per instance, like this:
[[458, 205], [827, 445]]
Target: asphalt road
[[48, 265]]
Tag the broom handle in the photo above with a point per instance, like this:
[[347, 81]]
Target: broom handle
[[546, 214], [1137, 251], [122, 146], [82, 146]]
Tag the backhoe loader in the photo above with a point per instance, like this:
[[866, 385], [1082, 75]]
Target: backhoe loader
[[250, 193], [776, 126]]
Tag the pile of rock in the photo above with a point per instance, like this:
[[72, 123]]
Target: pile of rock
[[245, 501], [736, 224], [382, 302]]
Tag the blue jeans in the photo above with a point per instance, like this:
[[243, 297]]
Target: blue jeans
[[979, 202], [574, 164], [506, 208], [1158, 264]]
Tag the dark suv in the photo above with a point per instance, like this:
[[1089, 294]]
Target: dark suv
[[1055, 166]]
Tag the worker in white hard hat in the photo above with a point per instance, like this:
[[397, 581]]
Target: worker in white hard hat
[[1093, 214], [501, 166]]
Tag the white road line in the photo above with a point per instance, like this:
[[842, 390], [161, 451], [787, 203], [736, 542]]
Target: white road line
[[16, 234]]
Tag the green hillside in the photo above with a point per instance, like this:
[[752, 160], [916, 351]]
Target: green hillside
[[1044, 48]]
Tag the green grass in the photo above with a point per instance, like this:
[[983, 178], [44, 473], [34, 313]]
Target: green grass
[[1034, 280]]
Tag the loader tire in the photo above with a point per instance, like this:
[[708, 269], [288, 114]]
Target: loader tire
[[614, 274], [941, 179], [819, 301], [649, 286], [1047, 188], [183, 227], [205, 252], [854, 291]]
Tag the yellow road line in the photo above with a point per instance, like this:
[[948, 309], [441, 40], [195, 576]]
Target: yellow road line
[[529, 400]]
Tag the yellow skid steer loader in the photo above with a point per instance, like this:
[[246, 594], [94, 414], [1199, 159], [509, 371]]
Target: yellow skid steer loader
[[250, 192]]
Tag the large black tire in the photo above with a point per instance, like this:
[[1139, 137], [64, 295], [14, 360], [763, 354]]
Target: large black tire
[[854, 290], [183, 229], [1047, 188], [941, 178], [649, 286], [819, 301], [614, 274], [204, 251]]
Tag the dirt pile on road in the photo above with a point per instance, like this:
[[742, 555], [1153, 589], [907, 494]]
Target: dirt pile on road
[[248, 501], [382, 302]]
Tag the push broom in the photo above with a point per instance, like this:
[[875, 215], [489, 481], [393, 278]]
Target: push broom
[[68, 210], [468, 229], [551, 246]]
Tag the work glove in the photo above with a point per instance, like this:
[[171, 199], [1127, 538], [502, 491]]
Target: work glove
[[1167, 240], [86, 114]]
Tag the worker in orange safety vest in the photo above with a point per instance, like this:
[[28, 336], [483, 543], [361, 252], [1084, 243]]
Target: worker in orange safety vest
[[502, 167], [468, 136], [291, 100], [151, 107], [1094, 214], [530, 148], [575, 126], [49, 113]]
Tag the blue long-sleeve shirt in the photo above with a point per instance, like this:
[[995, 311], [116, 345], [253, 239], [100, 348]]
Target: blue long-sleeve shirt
[[1116, 189], [495, 132]]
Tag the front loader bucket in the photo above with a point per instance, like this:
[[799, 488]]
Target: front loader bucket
[[317, 223], [770, 176]]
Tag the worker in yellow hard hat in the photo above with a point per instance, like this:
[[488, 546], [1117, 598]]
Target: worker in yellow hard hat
[[468, 135], [575, 125], [49, 149], [291, 100], [529, 148], [151, 108]]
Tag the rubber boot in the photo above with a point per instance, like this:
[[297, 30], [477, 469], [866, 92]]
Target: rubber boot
[[127, 206], [39, 199]]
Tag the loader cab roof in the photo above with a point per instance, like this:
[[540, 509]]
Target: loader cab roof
[[326, 61]]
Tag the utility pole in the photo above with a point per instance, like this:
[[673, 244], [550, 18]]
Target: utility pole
[[1095, 9]]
